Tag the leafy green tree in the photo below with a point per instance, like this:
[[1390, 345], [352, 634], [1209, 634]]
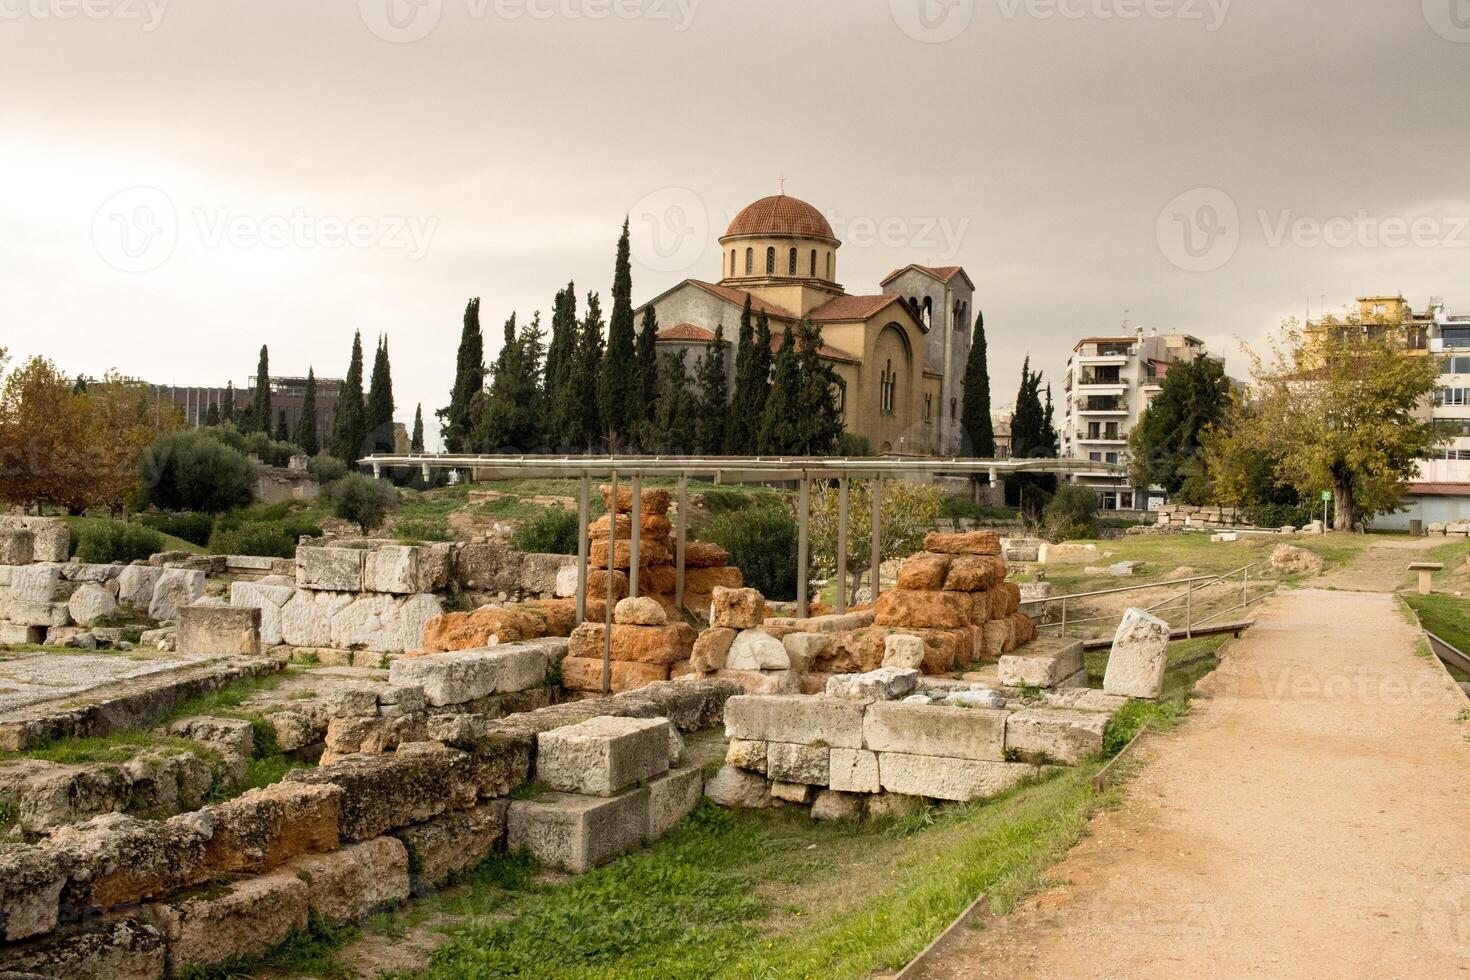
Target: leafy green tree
[[1032, 437], [363, 500], [379, 406], [1049, 436], [349, 429], [576, 406], [818, 418], [743, 431], [906, 511], [561, 353], [1338, 407], [619, 386], [305, 435], [713, 396], [668, 431], [510, 416], [416, 441], [779, 432], [646, 357], [1071, 514], [211, 415], [227, 413], [283, 431], [978, 431], [469, 378], [193, 471], [259, 419], [1169, 437]]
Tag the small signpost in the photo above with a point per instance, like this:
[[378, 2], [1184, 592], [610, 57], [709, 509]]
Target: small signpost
[[1326, 499]]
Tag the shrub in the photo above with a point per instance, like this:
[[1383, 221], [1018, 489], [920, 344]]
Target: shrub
[[193, 528], [551, 532], [1280, 515], [363, 500], [326, 468], [270, 452], [851, 444], [253, 538], [1070, 514], [191, 471], [109, 541], [957, 508], [761, 541]]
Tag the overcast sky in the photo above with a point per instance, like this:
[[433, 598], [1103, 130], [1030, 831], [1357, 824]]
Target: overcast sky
[[186, 181]]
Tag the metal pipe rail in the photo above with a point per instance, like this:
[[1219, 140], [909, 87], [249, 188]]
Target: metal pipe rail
[[1191, 588]]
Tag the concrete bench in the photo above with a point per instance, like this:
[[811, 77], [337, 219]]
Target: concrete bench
[[1426, 570]]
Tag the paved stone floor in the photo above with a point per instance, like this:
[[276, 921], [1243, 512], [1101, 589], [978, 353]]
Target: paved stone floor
[[28, 679], [1311, 819]]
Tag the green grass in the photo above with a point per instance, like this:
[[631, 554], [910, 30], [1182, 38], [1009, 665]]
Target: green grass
[[304, 954], [1447, 617], [115, 748], [79, 525]]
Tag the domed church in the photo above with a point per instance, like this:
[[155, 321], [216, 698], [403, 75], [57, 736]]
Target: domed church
[[899, 354]]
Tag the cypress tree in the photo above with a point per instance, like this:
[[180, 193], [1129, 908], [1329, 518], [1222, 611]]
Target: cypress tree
[[260, 410], [378, 411], [211, 415], [778, 432], [227, 413], [561, 355], [978, 433], [577, 401], [511, 417], [305, 435], [283, 433], [714, 396], [349, 428], [667, 430], [818, 419], [469, 379], [741, 437], [416, 441], [646, 357], [1049, 437], [619, 384], [1030, 439]]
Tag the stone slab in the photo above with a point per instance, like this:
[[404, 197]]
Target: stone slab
[[578, 833], [1045, 662], [959, 780], [854, 771], [796, 718], [603, 756], [935, 730], [1055, 735], [450, 845], [250, 918], [355, 881], [465, 675], [671, 797], [1139, 656], [330, 569], [790, 763], [219, 631]]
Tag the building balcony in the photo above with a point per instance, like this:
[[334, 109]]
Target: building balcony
[[1101, 406]]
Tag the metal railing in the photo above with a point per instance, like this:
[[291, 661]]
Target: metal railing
[[1193, 586]]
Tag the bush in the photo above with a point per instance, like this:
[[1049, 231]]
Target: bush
[[254, 538], [1070, 514], [108, 541], [957, 508], [191, 471], [761, 541], [851, 444], [1280, 515], [326, 468], [270, 452], [363, 500], [193, 528], [551, 532]]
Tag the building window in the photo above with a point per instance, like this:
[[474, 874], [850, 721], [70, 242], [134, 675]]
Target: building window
[[1111, 457], [1455, 365], [829, 267], [1452, 396], [791, 263], [749, 261], [928, 403], [887, 389], [814, 264], [954, 407], [770, 261], [732, 263], [1093, 457], [1455, 336]]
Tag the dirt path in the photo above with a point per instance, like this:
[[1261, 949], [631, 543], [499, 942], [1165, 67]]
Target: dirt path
[[1310, 820], [1381, 567]]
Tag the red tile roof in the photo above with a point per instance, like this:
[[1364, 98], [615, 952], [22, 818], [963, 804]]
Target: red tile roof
[[686, 331], [853, 307], [1439, 489], [737, 297], [944, 273], [781, 215], [826, 351]]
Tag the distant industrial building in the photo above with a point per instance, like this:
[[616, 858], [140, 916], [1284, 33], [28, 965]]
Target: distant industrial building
[[287, 395]]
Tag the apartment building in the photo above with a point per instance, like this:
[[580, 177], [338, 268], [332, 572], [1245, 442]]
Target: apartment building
[[1109, 382]]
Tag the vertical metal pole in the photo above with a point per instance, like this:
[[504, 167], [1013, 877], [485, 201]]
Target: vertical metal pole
[[841, 545], [679, 542], [635, 519], [1245, 581], [612, 565], [584, 514], [876, 564], [803, 521], [1189, 611]]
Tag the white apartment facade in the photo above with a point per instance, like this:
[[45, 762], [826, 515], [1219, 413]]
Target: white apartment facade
[[1109, 382]]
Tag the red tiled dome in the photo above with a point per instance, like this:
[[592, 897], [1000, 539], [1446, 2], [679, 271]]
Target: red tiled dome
[[778, 216]]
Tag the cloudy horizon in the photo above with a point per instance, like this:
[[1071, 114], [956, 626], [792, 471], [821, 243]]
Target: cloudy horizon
[[187, 183]]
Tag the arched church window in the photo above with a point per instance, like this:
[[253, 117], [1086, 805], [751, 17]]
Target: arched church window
[[791, 263], [749, 261], [814, 264], [829, 267], [928, 311], [732, 263], [770, 261]]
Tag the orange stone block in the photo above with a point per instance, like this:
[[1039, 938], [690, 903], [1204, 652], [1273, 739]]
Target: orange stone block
[[963, 543], [483, 627], [653, 526], [927, 610], [924, 571], [945, 648], [649, 553], [705, 579], [853, 652], [704, 554], [655, 501], [1023, 627], [975, 573], [661, 645], [597, 584], [579, 674]]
